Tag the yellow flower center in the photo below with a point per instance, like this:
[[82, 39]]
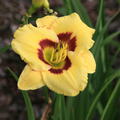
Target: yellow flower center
[[59, 54], [56, 56]]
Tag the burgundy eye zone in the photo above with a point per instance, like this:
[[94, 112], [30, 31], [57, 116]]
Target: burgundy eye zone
[[66, 37], [40, 55], [65, 67], [63, 37], [47, 43]]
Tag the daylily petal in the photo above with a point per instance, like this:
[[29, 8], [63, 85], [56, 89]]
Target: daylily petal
[[60, 83], [74, 25], [46, 21], [87, 61], [76, 69], [30, 79], [26, 44], [69, 82]]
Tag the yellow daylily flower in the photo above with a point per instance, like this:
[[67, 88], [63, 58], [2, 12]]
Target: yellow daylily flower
[[57, 54]]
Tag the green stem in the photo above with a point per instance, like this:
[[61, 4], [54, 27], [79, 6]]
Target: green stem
[[46, 94], [27, 100], [31, 10]]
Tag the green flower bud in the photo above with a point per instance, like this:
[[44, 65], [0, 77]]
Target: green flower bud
[[40, 3]]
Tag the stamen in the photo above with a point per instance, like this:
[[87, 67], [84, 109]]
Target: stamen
[[56, 57], [52, 55], [59, 53]]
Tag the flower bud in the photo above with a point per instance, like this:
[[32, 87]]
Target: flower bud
[[40, 3]]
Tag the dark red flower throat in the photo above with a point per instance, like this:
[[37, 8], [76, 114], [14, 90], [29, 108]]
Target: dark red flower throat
[[65, 38]]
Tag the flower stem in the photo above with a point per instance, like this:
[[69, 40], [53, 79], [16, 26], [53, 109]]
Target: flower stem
[[27, 100]]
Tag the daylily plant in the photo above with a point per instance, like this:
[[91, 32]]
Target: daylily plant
[[57, 54]]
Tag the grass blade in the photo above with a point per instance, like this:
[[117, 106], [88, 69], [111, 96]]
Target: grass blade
[[110, 37], [110, 101], [59, 112], [4, 49], [96, 99], [68, 6], [98, 37], [100, 14], [114, 57], [80, 9]]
